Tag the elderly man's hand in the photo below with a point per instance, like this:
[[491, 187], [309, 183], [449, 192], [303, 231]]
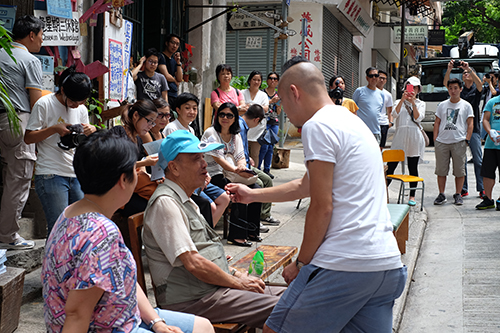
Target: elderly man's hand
[[239, 193], [251, 283]]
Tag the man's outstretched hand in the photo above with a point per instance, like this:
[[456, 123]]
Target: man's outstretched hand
[[239, 193]]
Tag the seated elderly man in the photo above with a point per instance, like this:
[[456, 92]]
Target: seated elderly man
[[186, 257]]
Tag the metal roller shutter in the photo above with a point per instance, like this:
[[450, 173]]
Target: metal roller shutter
[[382, 63], [330, 45], [243, 60]]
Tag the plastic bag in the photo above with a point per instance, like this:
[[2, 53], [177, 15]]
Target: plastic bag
[[257, 264]]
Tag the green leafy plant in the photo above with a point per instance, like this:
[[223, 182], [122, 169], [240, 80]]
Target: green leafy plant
[[94, 107], [14, 121], [240, 82]]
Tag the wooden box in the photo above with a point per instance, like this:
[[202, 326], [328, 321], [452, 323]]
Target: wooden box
[[11, 297]]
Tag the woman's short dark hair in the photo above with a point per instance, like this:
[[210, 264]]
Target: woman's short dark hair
[[160, 103], [77, 86], [273, 73], [184, 98], [235, 127], [252, 74], [26, 24], [101, 159], [220, 68], [143, 107]]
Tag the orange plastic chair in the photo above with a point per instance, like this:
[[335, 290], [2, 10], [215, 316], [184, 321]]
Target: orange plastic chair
[[398, 155]]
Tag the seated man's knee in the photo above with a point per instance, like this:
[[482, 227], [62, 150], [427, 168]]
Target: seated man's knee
[[202, 325]]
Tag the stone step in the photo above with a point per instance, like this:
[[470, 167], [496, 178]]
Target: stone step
[[32, 286], [30, 259]]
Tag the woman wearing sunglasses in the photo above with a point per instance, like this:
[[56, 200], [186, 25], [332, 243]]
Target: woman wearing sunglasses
[[226, 130]]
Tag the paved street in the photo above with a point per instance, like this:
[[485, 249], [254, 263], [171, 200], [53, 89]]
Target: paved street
[[456, 284]]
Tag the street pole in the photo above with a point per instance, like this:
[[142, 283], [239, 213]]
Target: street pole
[[401, 72], [284, 15]]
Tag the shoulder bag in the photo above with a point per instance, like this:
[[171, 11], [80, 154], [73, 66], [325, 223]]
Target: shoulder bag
[[410, 112]]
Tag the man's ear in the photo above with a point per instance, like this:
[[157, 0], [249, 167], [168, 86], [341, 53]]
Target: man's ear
[[122, 181], [295, 91]]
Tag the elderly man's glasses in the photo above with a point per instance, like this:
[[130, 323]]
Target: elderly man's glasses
[[371, 76], [226, 115]]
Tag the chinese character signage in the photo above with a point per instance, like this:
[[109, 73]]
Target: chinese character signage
[[413, 34], [253, 43], [115, 70], [7, 16], [359, 17], [126, 53], [59, 31], [47, 63], [311, 18], [240, 21], [60, 8]]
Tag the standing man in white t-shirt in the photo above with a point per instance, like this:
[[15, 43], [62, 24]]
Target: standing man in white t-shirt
[[349, 262], [452, 131], [385, 117]]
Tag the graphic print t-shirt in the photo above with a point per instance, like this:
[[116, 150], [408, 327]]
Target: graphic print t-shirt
[[493, 106], [150, 87], [453, 126]]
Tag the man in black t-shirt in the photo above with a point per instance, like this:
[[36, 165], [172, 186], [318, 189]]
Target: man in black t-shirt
[[471, 92], [169, 64]]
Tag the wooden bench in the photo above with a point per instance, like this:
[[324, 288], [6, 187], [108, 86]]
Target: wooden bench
[[275, 256], [400, 216]]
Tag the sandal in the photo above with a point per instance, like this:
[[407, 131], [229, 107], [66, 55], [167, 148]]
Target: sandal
[[255, 238], [245, 243]]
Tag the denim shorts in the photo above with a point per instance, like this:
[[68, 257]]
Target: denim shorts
[[321, 300], [184, 321]]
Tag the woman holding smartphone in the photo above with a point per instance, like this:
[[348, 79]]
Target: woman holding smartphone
[[408, 114]]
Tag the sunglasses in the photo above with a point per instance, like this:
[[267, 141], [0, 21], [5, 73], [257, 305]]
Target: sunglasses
[[273, 79], [371, 76], [226, 115], [164, 115]]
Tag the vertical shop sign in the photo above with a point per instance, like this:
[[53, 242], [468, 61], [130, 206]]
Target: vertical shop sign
[[126, 54], [115, 70]]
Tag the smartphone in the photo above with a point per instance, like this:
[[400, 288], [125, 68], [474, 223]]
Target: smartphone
[[409, 88], [250, 172]]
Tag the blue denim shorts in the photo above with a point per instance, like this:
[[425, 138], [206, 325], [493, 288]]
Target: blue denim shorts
[[321, 300], [184, 321]]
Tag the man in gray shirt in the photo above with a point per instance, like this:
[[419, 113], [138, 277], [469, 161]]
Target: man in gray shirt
[[22, 80]]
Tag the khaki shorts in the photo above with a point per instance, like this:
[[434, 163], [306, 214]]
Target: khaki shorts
[[458, 153]]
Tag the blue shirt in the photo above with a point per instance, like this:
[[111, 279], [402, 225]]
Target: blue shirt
[[371, 104], [493, 106], [243, 132]]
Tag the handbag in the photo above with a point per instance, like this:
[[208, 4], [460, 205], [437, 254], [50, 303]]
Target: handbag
[[233, 177], [268, 137], [426, 138]]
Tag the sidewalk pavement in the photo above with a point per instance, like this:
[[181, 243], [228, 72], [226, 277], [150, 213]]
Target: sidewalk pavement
[[289, 232]]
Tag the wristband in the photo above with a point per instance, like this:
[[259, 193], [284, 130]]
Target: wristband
[[154, 321], [179, 64]]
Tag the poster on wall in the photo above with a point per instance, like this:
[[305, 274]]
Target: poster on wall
[[59, 8], [59, 31], [47, 63], [115, 70]]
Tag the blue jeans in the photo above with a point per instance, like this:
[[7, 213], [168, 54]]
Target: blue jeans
[[266, 151], [56, 193], [322, 300], [184, 321], [477, 158]]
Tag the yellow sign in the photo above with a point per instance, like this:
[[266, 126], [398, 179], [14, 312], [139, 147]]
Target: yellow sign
[[405, 53]]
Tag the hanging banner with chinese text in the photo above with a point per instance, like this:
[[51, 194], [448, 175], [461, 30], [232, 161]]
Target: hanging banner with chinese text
[[59, 31], [115, 70], [359, 17]]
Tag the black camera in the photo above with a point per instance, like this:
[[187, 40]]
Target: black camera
[[73, 139], [487, 75], [337, 94], [457, 64]]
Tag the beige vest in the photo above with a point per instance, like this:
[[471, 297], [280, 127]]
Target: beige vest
[[182, 286]]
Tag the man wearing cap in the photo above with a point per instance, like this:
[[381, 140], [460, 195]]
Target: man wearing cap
[[471, 92], [186, 257]]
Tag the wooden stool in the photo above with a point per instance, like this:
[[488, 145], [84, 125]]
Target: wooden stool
[[11, 297]]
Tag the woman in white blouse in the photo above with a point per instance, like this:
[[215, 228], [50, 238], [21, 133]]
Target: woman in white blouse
[[253, 95], [408, 114]]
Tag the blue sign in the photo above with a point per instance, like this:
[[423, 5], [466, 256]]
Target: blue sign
[[126, 53], [47, 64], [288, 2], [7, 16], [115, 70], [60, 8]]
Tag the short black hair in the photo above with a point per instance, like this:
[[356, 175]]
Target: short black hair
[[152, 52], [160, 103], [252, 74], [333, 79], [220, 68], [26, 24], [184, 98], [101, 159], [255, 111], [382, 72], [77, 86], [273, 73], [369, 69], [454, 81], [170, 36], [292, 62], [235, 127]]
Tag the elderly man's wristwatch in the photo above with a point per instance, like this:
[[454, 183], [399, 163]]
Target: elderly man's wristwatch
[[299, 264]]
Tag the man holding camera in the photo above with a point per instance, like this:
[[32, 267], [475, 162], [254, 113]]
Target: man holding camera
[[471, 92], [336, 93]]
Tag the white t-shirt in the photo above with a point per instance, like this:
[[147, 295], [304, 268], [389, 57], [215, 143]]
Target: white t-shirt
[[51, 159], [233, 147], [175, 126], [359, 237], [453, 126], [262, 99], [383, 119]]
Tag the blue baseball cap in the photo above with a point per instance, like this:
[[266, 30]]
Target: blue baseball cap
[[182, 141]]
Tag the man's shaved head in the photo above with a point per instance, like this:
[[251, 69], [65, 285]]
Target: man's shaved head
[[303, 74]]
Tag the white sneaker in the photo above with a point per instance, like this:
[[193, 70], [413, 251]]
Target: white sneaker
[[263, 228], [19, 244]]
